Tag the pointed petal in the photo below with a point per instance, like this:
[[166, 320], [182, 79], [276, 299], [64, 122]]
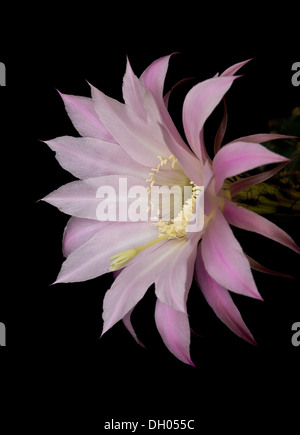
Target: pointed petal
[[127, 318], [245, 183], [92, 258], [77, 198], [262, 137], [257, 266], [190, 164], [84, 118], [234, 68], [153, 78], [78, 231], [154, 120], [89, 157], [199, 104], [221, 131], [204, 153], [133, 92], [224, 259], [131, 285], [128, 324], [168, 94], [81, 198], [238, 157], [174, 329], [131, 132], [173, 285], [221, 302], [248, 220]]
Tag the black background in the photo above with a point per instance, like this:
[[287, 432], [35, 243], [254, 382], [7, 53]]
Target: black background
[[53, 346]]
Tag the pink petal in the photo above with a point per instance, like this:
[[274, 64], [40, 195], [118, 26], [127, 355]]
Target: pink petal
[[262, 137], [234, 68], [128, 324], [153, 78], [127, 318], [133, 92], [168, 94], [78, 231], [250, 221], [89, 157], [207, 174], [131, 285], [80, 198], [197, 222], [224, 259], [211, 203], [82, 114], [221, 131], [92, 258], [174, 329], [245, 183], [130, 131], [204, 153], [155, 118], [190, 164], [238, 157], [172, 286], [257, 266], [221, 302], [199, 104]]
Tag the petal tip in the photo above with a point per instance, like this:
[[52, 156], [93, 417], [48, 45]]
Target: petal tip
[[259, 297], [104, 330], [60, 93], [190, 362]]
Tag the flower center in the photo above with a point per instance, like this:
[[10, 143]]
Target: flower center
[[167, 173], [177, 228], [180, 214]]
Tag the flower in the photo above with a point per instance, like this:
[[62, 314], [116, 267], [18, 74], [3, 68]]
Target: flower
[[138, 141]]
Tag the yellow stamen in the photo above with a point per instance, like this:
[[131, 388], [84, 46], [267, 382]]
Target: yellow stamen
[[121, 259], [178, 226], [151, 179], [162, 162]]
